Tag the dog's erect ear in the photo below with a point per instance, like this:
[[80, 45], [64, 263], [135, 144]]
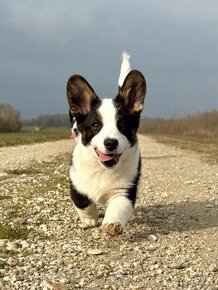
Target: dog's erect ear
[[80, 95], [132, 92]]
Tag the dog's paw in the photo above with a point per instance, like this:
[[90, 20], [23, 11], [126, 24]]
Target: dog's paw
[[113, 229], [88, 223]]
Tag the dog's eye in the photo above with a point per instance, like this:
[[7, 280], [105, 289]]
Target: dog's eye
[[96, 125], [121, 124]]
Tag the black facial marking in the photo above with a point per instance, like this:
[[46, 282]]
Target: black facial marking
[[80, 200], [127, 123], [132, 190], [72, 120], [91, 124]]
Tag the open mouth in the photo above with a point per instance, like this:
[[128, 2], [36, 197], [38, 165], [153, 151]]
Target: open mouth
[[107, 160]]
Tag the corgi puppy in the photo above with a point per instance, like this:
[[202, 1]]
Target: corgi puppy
[[106, 159]]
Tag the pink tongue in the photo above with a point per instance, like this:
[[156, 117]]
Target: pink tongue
[[105, 157]]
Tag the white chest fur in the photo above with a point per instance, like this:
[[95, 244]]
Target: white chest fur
[[98, 183]]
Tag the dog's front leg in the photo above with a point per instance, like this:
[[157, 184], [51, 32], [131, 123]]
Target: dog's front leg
[[85, 207], [88, 216], [117, 215]]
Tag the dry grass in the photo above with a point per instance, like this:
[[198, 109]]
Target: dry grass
[[204, 125], [195, 132]]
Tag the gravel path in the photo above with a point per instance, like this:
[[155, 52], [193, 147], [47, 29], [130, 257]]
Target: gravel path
[[171, 241], [13, 158]]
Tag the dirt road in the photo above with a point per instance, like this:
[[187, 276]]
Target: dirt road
[[171, 241]]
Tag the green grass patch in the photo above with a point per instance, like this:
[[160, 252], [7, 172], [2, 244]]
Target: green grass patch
[[208, 147], [29, 136], [5, 197], [17, 232], [26, 171]]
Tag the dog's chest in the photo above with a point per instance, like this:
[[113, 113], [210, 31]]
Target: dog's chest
[[93, 184], [96, 182]]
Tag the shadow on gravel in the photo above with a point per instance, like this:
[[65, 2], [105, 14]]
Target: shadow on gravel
[[176, 217]]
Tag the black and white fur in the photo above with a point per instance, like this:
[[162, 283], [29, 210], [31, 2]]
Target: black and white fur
[[106, 160]]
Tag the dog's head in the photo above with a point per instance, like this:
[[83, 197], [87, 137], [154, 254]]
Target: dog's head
[[108, 126]]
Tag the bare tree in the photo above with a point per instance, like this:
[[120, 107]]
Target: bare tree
[[9, 119]]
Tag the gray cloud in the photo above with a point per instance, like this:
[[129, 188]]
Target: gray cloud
[[174, 43]]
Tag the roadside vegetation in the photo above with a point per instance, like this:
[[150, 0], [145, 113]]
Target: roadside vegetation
[[15, 131], [29, 135], [194, 132]]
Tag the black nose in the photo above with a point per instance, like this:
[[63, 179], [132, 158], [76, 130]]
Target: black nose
[[110, 144]]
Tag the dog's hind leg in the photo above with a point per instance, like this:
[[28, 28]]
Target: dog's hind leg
[[117, 215]]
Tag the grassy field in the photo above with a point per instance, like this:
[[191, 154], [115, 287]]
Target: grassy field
[[29, 136]]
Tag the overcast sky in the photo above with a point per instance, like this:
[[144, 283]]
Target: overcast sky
[[173, 43]]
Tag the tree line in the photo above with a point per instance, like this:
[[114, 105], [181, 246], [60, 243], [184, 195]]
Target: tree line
[[56, 120], [203, 124], [10, 120]]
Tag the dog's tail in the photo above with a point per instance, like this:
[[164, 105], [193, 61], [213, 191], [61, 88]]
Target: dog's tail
[[125, 68]]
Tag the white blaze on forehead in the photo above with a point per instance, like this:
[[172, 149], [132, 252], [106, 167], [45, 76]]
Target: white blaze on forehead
[[108, 112]]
